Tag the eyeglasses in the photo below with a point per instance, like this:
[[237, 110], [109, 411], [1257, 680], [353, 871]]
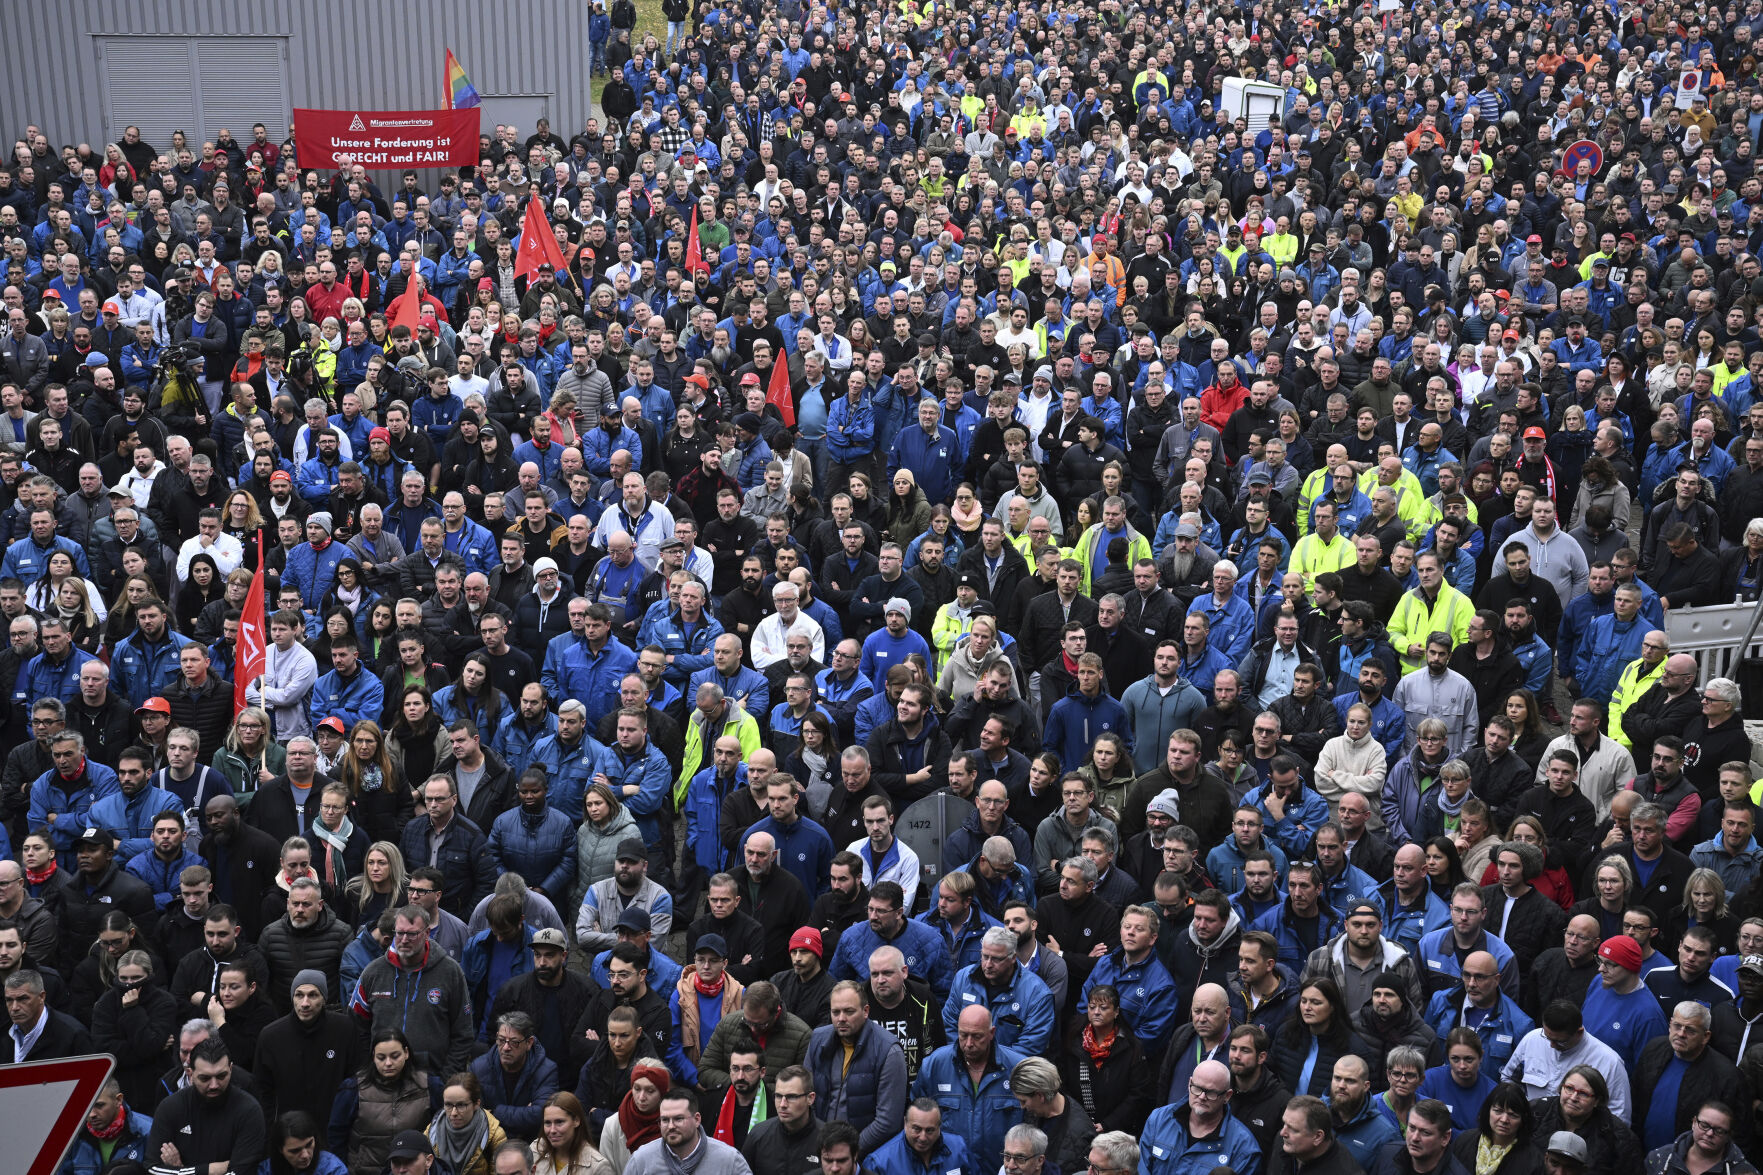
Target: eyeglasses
[[1201, 1091], [510, 1042], [1011, 1160], [1704, 1127]]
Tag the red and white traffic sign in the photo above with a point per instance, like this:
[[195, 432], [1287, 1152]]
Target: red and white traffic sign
[[43, 1105]]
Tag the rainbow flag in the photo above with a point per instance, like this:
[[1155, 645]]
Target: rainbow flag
[[460, 93]]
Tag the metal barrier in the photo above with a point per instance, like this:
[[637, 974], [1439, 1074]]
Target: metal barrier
[[1712, 636]]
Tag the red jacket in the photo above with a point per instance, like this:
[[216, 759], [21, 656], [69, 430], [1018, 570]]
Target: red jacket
[[1217, 403]]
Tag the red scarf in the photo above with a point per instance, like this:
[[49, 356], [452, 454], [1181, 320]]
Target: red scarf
[[323, 545], [1069, 663], [705, 989], [637, 1126], [38, 877], [114, 1129], [1099, 1049]]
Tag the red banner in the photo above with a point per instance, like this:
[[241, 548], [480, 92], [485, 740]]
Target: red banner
[[386, 138]]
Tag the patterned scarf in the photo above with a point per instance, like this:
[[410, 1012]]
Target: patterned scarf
[[1099, 1048]]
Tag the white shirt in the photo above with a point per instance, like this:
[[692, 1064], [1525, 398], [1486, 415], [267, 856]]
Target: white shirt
[[769, 637], [1539, 1067], [24, 1042], [287, 680], [226, 550]]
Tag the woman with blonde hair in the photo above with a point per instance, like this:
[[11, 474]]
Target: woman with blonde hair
[[80, 609], [250, 758], [379, 886], [975, 655]]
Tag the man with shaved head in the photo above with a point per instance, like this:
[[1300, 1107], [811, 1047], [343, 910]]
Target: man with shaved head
[[970, 1079], [1666, 706], [1203, 1038], [1203, 1119]]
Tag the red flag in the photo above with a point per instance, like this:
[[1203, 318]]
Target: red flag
[[408, 308], [694, 254], [538, 244], [779, 392], [253, 651]]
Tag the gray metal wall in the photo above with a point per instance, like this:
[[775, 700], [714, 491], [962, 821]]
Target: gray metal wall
[[372, 54]]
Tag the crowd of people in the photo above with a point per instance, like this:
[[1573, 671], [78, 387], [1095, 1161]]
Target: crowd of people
[[1265, 532]]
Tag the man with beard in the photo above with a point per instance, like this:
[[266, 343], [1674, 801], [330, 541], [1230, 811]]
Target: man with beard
[[995, 697], [209, 1126], [1359, 1128], [1257, 1093], [439, 1027], [845, 903], [305, 1056], [806, 987], [921, 946], [769, 893], [306, 938], [554, 996], [855, 1046]]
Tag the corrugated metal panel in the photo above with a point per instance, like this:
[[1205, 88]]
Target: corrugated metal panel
[[386, 55]]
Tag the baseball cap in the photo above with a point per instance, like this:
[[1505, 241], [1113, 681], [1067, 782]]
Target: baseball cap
[[111, 307], [154, 706], [1511, 334], [807, 938], [333, 723], [96, 836], [1751, 963], [280, 475], [637, 920], [712, 943], [552, 938], [1622, 950], [750, 380], [1534, 433], [121, 491], [410, 1144], [1565, 1144], [632, 848], [1533, 239]]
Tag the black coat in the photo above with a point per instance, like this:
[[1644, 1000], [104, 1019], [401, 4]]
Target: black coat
[[300, 1066], [137, 1038], [745, 939], [82, 910], [272, 809], [62, 1036], [1611, 1147], [1520, 1160], [1117, 1094], [783, 908], [244, 872], [1710, 1078], [524, 994]]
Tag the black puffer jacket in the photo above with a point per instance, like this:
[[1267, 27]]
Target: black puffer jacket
[[1611, 1147], [289, 950]]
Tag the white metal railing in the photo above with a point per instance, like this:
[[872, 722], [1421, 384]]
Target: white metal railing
[[1712, 636]]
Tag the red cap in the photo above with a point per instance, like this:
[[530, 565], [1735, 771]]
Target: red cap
[[1533, 239], [750, 380], [154, 706], [112, 307], [1511, 334], [56, 294], [280, 475], [1628, 236], [1622, 950], [334, 723], [379, 433], [699, 379], [808, 939], [1533, 433]]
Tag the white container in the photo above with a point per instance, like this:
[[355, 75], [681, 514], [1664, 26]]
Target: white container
[[1260, 103]]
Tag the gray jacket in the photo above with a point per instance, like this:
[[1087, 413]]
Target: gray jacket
[[718, 1158]]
